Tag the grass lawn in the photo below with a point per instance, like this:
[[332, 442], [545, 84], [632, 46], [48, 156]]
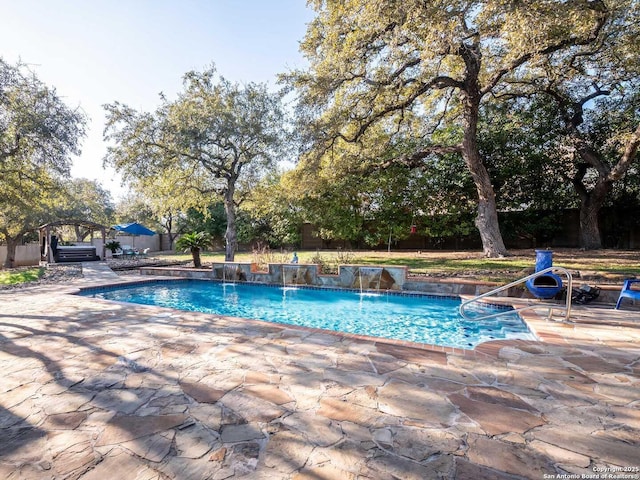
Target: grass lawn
[[607, 265], [22, 275], [601, 266]]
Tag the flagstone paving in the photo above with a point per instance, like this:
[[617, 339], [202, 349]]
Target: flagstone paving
[[99, 390]]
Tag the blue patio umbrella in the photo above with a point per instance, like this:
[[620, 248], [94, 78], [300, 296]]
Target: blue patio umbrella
[[133, 229]]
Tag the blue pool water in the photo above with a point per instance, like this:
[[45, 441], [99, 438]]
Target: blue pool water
[[416, 318]]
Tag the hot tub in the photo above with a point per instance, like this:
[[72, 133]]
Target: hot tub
[[76, 253]]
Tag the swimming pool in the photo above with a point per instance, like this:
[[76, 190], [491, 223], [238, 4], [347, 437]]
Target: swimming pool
[[415, 318]]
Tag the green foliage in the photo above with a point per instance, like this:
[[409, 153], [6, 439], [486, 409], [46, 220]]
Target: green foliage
[[589, 97], [85, 200], [213, 220], [38, 132], [20, 276], [113, 245], [519, 140], [194, 242], [367, 207], [459, 224], [537, 226], [189, 241], [157, 198], [135, 207], [272, 213], [415, 75], [37, 129], [551, 151], [213, 142]]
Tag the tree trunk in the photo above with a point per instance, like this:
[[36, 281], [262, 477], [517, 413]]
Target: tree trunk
[[12, 244], [80, 233], [487, 224], [172, 237], [487, 218], [591, 202], [195, 253], [168, 225], [230, 235], [590, 205], [590, 238]]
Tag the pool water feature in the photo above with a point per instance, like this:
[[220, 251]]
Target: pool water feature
[[293, 275], [229, 274], [369, 278], [415, 318]]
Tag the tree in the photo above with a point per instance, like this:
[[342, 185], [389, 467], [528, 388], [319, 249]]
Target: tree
[[36, 127], [161, 197], [194, 242], [217, 137], [212, 220], [420, 72], [86, 200], [275, 217], [134, 207], [23, 210], [547, 151], [38, 133], [604, 144], [595, 97]]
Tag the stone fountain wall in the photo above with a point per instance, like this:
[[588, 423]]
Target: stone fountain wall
[[299, 274], [349, 276], [383, 278]]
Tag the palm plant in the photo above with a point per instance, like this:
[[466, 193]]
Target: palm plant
[[113, 245], [194, 242]]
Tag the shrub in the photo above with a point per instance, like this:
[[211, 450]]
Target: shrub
[[113, 245]]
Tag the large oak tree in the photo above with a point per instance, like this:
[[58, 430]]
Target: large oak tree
[[38, 134], [601, 142], [593, 94], [420, 71], [216, 138]]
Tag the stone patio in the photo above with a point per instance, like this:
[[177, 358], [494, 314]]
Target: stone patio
[[101, 390]]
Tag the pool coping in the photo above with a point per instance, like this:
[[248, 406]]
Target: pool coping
[[488, 347]]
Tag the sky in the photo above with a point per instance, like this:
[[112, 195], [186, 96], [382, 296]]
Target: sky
[[99, 52]]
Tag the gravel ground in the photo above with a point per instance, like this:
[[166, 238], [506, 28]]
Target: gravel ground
[[133, 263]]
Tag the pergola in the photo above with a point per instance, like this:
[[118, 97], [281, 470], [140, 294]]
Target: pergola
[[44, 235]]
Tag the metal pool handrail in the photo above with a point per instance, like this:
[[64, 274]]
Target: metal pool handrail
[[551, 307]]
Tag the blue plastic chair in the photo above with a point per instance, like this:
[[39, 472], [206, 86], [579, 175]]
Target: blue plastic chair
[[627, 292]]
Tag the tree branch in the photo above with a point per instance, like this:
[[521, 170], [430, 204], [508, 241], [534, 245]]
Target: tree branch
[[414, 160], [439, 82], [628, 157], [394, 76], [596, 5]]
